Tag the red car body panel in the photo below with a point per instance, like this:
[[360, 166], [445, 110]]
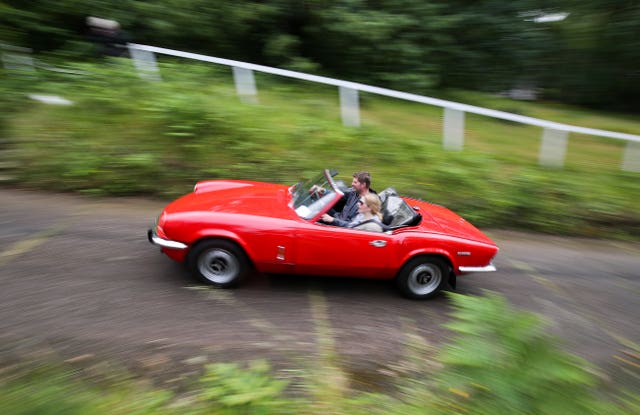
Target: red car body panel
[[260, 218]]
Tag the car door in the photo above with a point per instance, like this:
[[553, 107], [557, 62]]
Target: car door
[[331, 250]]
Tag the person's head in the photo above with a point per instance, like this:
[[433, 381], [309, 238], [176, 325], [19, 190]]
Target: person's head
[[370, 203], [361, 181]]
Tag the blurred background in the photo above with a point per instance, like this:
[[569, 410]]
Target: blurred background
[[115, 133], [77, 115], [578, 52], [105, 130]]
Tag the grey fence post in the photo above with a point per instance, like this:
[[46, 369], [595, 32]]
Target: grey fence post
[[245, 85], [453, 129], [17, 59], [145, 63], [553, 148], [631, 160], [349, 107]]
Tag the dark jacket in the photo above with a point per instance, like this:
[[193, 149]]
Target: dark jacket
[[350, 209]]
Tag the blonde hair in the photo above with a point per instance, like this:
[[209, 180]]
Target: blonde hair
[[373, 202]]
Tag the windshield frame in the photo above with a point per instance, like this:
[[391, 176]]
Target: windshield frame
[[309, 205]]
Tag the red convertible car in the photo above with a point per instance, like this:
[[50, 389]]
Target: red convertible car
[[226, 229]]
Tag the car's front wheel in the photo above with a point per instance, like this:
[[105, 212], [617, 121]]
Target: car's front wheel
[[219, 263], [423, 277]]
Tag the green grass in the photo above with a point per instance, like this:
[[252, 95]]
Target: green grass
[[126, 136], [500, 361]]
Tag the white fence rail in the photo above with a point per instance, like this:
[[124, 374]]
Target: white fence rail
[[554, 137]]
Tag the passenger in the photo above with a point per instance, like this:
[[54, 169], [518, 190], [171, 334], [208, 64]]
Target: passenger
[[360, 186], [369, 214]]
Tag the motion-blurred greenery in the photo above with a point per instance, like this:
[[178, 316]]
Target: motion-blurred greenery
[[127, 136], [501, 362], [580, 52]]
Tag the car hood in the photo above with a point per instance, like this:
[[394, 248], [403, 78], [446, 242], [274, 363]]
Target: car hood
[[452, 224], [234, 196]]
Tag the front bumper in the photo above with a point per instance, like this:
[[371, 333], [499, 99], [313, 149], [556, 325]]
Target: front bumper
[[164, 243], [488, 268]]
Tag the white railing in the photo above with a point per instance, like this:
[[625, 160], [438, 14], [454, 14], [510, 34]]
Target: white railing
[[554, 137]]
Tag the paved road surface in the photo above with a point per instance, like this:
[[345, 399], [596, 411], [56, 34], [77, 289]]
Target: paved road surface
[[80, 281]]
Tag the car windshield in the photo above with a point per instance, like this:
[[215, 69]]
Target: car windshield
[[313, 196]]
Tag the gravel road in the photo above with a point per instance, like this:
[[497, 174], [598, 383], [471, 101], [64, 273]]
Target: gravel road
[[80, 282]]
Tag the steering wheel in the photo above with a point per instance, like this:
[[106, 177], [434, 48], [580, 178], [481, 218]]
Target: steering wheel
[[316, 192]]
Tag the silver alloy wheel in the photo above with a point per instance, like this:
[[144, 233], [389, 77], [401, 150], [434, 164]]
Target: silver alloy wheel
[[218, 266], [424, 279]]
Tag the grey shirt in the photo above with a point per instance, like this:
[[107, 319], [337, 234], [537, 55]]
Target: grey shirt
[[373, 225]]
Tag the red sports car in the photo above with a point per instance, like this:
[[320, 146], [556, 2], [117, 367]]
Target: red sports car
[[225, 229]]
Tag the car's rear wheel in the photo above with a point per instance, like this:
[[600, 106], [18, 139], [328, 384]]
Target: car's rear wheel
[[218, 262], [423, 277]]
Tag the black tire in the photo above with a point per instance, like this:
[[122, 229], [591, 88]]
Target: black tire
[[218, 262], [423, 277]]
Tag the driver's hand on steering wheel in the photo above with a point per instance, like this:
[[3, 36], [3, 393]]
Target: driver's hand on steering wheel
[[326, 218]]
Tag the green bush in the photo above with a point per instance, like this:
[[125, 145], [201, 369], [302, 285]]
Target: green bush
[[227, 388], [502, 361]]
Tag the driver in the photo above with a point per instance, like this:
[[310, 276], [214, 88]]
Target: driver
[[360, 186]]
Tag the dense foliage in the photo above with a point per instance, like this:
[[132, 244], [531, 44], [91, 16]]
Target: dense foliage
[[412, 45], [124, 136], [501, 362]]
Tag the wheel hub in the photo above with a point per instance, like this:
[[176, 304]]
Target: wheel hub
[[218, 266], [425, 279]]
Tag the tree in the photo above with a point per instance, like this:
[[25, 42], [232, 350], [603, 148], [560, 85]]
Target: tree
[[589, 58]]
